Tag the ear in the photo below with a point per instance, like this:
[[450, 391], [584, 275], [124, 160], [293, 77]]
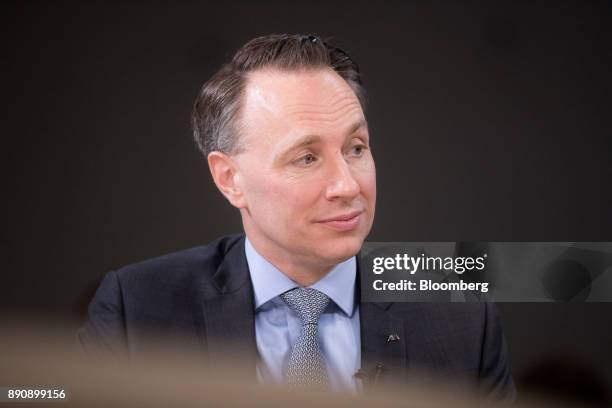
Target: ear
[[225, 175]]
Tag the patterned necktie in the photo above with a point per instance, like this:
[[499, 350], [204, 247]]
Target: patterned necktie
[[307, 364]]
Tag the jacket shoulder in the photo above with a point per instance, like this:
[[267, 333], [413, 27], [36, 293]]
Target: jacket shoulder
[[162, 294], [178, 268]]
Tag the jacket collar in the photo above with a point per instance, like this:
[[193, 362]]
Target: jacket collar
[[228, 311]]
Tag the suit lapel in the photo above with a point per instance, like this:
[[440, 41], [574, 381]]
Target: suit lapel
[[383, 342], [383, 350], [228, 308]]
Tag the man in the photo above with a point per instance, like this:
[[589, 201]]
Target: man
[[287, 142]]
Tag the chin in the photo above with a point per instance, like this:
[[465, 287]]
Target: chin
[[340, 249]]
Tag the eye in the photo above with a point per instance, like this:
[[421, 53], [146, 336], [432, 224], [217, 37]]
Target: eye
[[358, 150], [306, 160]]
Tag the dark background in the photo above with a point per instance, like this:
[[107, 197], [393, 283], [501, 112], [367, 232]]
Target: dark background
[[490, 122]]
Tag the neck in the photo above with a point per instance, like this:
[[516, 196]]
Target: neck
[[303, 276], [302, 271]]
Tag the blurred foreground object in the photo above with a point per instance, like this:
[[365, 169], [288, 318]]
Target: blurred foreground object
[[174, 376]]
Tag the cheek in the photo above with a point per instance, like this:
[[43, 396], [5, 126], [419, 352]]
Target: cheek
[[367, 180], [301, 204], [286, 203], [297, 202]]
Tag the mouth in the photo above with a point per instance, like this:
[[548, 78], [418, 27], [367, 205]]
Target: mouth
[[343, 222]]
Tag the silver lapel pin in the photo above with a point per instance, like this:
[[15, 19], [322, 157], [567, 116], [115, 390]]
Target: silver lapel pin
[[392, 337]]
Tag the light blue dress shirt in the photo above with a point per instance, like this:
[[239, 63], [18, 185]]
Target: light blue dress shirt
[[277, 327]]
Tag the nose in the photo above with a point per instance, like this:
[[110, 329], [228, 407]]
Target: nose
[[342, 184]]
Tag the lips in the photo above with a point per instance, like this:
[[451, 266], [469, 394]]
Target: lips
[[343, 222]]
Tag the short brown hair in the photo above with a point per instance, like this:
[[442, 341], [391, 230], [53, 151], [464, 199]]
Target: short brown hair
[[219, 100]]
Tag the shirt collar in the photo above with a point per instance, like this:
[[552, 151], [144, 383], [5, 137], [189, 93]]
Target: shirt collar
[[269, 282]]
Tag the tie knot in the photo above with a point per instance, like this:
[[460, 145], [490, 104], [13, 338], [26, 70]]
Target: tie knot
[[308, 303]]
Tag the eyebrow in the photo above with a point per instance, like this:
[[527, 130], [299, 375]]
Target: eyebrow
[[308, 140], [361, 124]]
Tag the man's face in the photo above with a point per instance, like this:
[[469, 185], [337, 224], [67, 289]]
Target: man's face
[[306, 172]]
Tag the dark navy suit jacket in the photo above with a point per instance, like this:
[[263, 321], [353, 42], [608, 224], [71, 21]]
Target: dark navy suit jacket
[[205, 296]]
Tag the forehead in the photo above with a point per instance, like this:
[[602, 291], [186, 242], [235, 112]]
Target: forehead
[[282, 105]]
